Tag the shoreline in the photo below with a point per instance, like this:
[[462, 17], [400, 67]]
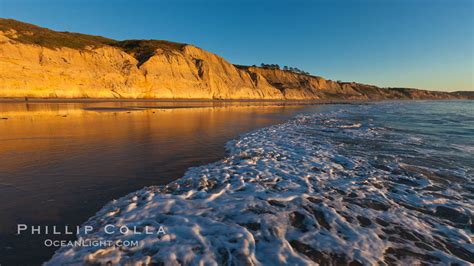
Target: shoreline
[[213, 101], [96, 100], [235, 204], [208, 130]]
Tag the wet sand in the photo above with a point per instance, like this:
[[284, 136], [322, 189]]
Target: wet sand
[[61, 162]]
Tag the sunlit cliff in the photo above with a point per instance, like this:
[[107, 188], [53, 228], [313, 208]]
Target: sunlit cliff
[[38, 62]]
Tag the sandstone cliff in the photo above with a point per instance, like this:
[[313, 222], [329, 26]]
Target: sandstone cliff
[[38, 62]]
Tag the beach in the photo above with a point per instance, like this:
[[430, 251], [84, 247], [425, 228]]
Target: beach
[[62, 161], [363, 184]]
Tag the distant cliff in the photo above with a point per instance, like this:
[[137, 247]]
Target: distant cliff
[[464, 94], [38, 62]]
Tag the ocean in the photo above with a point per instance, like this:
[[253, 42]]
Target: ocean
[[61, 162], [376, 183]]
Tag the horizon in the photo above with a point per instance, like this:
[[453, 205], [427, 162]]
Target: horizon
[[327, 49]]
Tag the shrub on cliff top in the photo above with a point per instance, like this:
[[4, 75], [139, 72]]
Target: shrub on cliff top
[[32, 34]]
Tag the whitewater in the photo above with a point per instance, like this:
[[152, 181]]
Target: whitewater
[[367, 184]]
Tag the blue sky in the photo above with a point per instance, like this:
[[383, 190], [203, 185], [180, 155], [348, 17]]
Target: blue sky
[[419, 43]]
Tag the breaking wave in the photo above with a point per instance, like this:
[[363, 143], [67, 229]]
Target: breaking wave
[[312, 190]]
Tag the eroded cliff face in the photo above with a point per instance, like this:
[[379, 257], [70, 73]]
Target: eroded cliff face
[[108, 72], [183, 72], [298, 86]]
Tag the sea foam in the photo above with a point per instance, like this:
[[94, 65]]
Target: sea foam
[[322, 188]]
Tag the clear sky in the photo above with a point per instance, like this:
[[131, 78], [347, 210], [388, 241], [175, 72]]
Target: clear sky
[[419, 43]]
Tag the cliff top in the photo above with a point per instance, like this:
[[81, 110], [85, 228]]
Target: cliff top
[[31, 34]]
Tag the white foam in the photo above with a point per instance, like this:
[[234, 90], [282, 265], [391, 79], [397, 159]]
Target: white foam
[[288, 194], [356, 125]]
